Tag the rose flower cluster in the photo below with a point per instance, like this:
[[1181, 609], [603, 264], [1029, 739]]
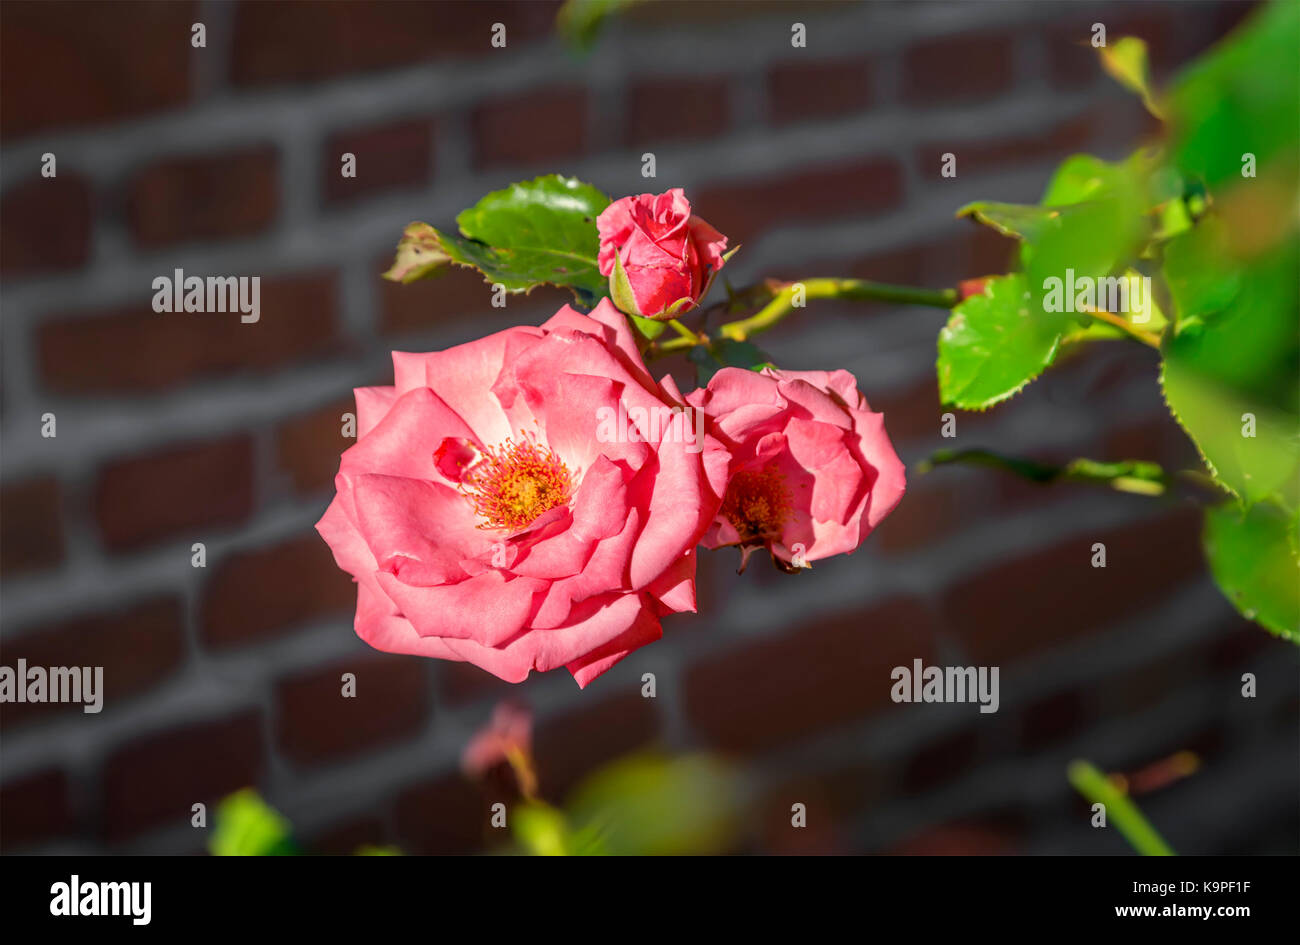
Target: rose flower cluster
[[484, 520]]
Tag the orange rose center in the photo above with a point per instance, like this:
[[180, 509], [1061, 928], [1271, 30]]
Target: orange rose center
[[757, 503], [514, 483]]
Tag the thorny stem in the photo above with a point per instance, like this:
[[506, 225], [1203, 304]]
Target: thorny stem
[[782, 302]]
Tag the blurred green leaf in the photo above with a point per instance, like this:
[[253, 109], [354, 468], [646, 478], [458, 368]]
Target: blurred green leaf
[[540, 829], [1230, 370], [245, 825], [1254, 563], [580, 21], [653, 805], [1201, 277], [993, 345], [1126, 61], [539, 232], [1243, 97]]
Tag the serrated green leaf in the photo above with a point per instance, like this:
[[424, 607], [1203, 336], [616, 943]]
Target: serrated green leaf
[[539, 232], [1253, 563], [1126, 61], [1219, 420], [993, 345]]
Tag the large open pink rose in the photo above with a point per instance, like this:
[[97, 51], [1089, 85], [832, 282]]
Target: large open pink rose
[[659, 256], [812, 471], [485, 520]]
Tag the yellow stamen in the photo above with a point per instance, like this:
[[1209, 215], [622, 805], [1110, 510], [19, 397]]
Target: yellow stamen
[[514, 483]]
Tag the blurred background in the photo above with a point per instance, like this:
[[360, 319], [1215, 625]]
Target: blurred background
[[174, 429]]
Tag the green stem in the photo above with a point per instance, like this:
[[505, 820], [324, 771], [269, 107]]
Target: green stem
[[782, 301], [1135, 476], [1120, 811]]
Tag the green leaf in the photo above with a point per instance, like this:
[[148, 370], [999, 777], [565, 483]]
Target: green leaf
[[539, 232], [1126, 61], [1253, 562], [580, 21], [1241, 98], [648, 327], [1022, 221], [993, 345], [540, 829], [1199, 272], [245, 825], [648, 805], [1235, 372]]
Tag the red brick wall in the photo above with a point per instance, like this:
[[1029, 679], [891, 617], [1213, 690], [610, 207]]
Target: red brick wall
[[183, 428]]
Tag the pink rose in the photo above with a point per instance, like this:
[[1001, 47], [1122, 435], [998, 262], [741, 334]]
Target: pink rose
[[812, 471], [659, 258], [484, 520]]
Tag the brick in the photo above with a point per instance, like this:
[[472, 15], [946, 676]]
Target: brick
[[453, 300], [676, 109], [1019, 607], [65, 64], [35, 808], [343, 839], [941, 761], [445, 815], [530, 129], [995, 835], [31, 526], [1073, 63], [135, 350], [461, 683], [814, 677], [859, 188], [294, 42], [212, 196], [936, 507], [1052, 719], [139, 646], [980, 157], [958, 69], [45, 225], [307, 448], [155, 779], [832, 801], [799, 91], [913, 413], [268, 592], [572, 745], [389, 158], [315, 723], [176, 492]]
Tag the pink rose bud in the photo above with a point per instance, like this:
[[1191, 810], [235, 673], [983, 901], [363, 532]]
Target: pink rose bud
[[812, 470], [660, 259]]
